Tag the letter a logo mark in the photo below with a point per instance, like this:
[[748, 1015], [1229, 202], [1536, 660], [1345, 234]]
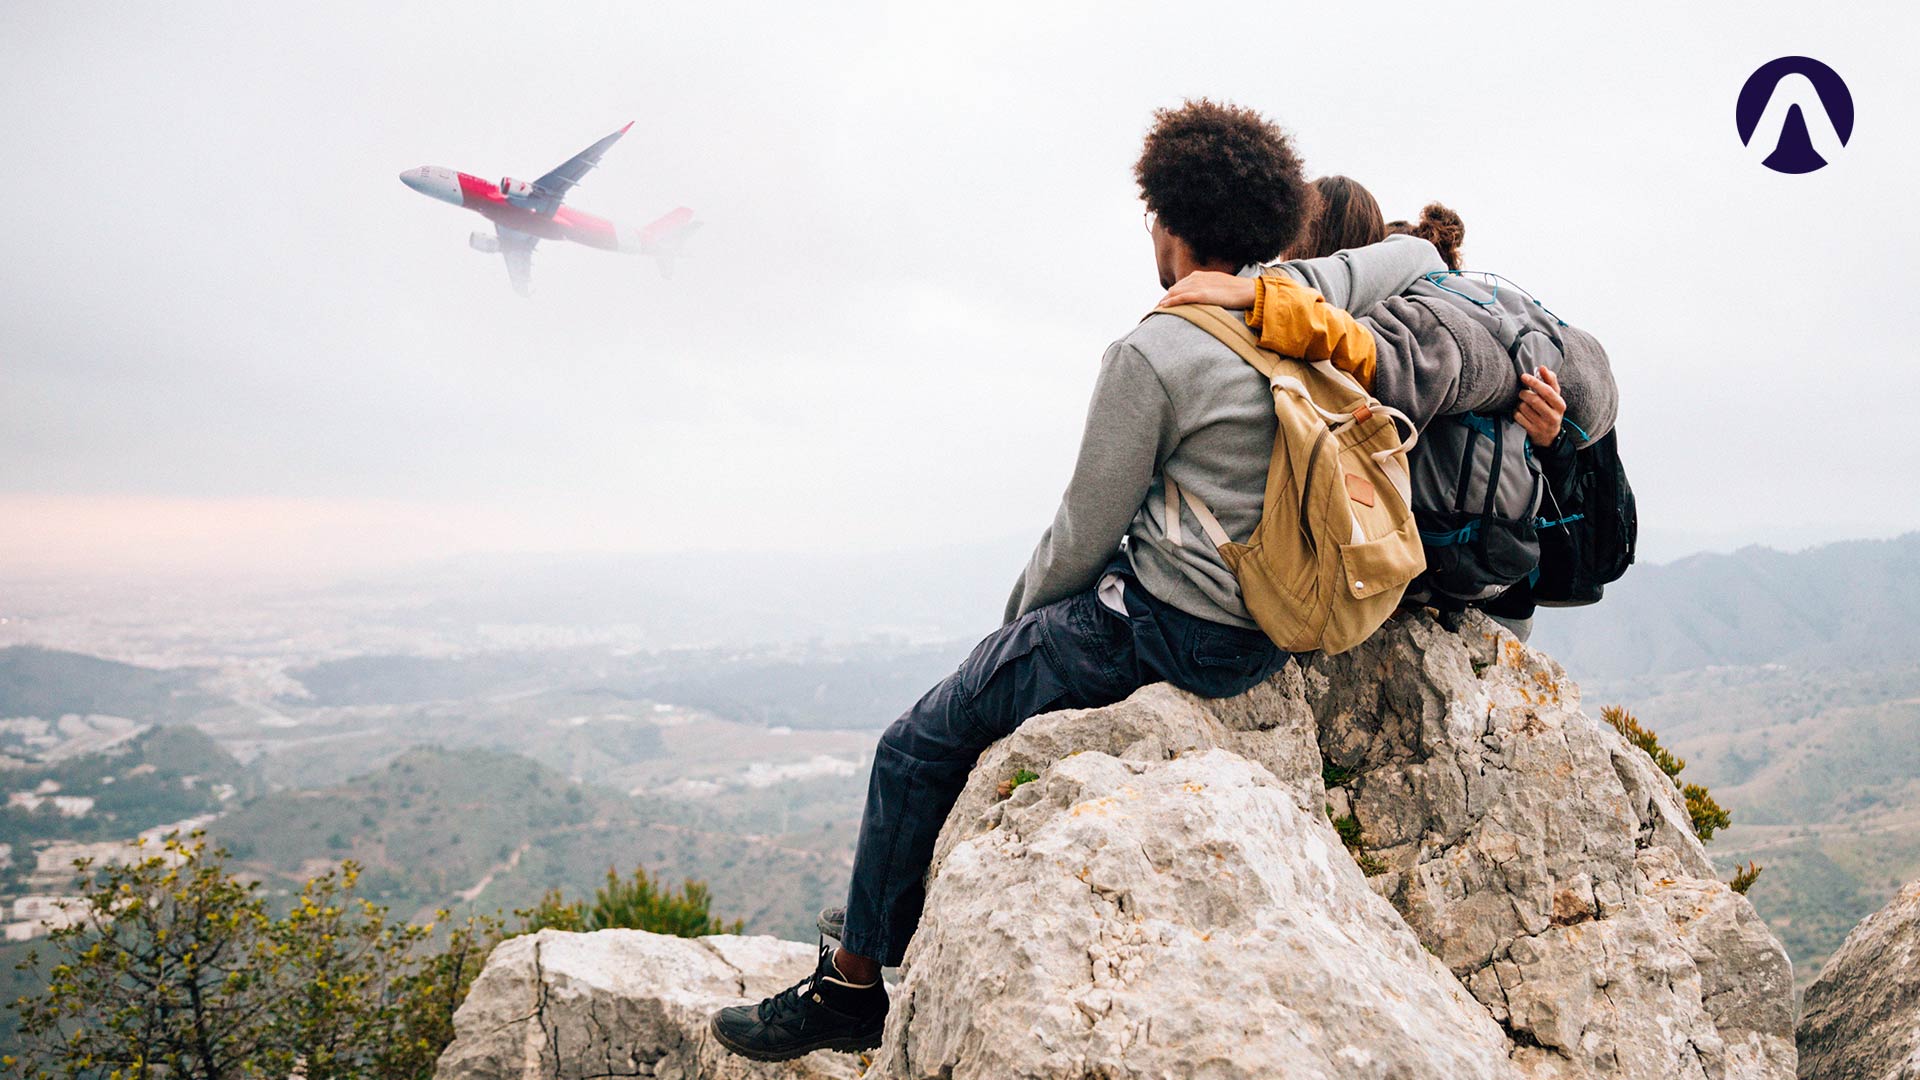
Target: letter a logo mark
[[1793, 150]]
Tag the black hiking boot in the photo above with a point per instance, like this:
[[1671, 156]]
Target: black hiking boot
[[820, 1012], [832, 922]]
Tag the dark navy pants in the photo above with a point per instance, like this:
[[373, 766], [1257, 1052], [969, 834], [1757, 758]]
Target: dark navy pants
[[1073, 654]]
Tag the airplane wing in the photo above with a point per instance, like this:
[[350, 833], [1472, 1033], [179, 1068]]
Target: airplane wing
[[551, 190], [517, 248]]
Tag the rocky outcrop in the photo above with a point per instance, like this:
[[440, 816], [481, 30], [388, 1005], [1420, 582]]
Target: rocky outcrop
[[622, 1003], [1549, 864], [1862, 1016], [1514, 892], [1170, 910], [1170, 898]]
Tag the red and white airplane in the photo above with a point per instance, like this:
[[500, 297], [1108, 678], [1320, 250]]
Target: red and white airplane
[[523, 214]]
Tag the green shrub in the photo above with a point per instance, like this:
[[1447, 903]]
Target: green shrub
[[1708, 816], [178, 968], [1625, 723], [1348, 827], [1333, 775], [553, 912], [638, 904]]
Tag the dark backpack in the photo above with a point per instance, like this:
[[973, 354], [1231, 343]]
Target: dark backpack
[[1588, 543], [1476, 495]]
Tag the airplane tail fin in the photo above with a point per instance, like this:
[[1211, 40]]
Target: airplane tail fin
[[664, 238]]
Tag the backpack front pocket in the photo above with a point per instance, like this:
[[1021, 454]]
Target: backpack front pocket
[[1375, 566]]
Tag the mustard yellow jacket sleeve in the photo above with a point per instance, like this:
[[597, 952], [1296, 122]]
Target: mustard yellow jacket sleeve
[[1294, 320]]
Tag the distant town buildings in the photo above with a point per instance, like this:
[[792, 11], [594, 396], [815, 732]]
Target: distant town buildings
[[74, 806], [48, 904]]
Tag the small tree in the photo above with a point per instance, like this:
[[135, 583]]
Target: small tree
[[639, 904], [346, 968], [173, 968], [169, 967], [429, 996]]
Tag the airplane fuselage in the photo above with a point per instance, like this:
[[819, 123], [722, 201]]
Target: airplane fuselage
[[526, 212], [484, 197]]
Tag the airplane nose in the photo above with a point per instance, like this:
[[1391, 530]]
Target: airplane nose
[[434, 183]]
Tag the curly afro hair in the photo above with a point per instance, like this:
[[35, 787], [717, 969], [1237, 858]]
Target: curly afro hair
[[1224, 179]]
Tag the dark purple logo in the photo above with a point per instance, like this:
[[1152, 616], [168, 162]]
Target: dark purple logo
[[1794, 152]]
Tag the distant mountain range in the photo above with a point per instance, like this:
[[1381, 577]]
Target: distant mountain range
[[1852, 606]]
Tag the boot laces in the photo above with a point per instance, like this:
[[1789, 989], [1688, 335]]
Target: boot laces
[[790, 1000]]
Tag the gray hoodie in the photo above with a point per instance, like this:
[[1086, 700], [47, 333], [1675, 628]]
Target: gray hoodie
[[1171, 400], [1439, 351]]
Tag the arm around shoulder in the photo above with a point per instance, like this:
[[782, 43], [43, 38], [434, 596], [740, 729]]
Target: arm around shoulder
[[1358, 278]]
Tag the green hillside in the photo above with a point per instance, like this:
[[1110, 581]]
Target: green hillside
[[49, 683], [438, 826], [162, 775]]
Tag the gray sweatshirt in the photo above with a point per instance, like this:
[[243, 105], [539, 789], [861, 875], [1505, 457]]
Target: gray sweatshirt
[[1437, 353], [1171, 400]]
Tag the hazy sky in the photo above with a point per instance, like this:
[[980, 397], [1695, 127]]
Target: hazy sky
[[230, 338]]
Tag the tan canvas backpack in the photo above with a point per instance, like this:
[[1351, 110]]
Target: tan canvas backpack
[[1336, 544]]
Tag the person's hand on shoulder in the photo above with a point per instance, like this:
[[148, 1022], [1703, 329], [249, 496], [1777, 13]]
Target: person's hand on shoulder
[[1211, 287], [1541, 407]]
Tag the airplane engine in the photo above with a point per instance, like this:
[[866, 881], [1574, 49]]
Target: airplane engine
[[486, 242], [515, 189]]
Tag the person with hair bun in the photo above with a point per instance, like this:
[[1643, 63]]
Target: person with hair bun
[[1443, 229], [1346, 216]]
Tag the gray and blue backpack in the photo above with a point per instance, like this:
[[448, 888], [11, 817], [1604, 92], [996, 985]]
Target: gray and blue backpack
[[1481, 501]]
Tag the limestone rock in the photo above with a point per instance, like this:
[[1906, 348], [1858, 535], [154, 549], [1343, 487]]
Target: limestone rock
[[622, 1003], [1548, 863], [1169, 899], [1171, 917], [1862, 1016]]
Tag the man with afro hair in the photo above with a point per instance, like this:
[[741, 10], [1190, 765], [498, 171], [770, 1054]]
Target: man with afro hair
[[1107, 603]]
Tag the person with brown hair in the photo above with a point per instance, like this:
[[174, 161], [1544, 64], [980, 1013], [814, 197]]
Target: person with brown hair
[[1108, 602], [1345, 216]]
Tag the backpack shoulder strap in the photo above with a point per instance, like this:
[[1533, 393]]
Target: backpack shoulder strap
[[1238, 336], [1235, 334], [1231, 332]]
